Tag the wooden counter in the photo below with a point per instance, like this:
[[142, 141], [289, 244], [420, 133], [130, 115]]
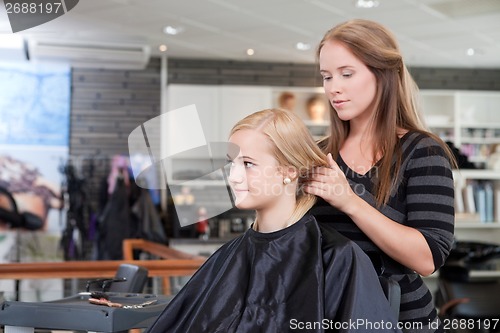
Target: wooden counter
[[171, 263]]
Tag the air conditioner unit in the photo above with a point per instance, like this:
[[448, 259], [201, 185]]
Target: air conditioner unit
[[90, 54], [13, 48]]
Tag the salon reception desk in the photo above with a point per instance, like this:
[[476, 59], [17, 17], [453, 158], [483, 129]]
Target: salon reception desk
[[76, 313]]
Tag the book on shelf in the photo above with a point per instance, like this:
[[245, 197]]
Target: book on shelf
[[489, 202], [496, 206], [459, 201], [478, 201], [467, 218], [469, 201], [480, 198]]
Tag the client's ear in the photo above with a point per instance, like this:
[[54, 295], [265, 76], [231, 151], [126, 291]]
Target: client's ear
[[290, 172]]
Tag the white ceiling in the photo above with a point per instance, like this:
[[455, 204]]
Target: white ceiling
[[433, 33]]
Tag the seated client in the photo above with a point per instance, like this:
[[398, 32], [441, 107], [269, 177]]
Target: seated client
[[285, 273]]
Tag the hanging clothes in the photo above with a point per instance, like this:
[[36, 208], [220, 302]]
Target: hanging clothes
[[114, 223], [149, 224]]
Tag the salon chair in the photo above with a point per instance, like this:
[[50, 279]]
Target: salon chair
[[10, 216], [128, 279], [12, 219], [391, 288], [392, 291], [461, 298]]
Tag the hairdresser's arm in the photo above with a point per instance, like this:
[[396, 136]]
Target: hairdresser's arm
[[405, 244]]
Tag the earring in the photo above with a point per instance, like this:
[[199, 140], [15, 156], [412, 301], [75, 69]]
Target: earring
[[287, 181]]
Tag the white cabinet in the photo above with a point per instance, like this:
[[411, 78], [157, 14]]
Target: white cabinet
[[206, 99], [236, 102], [219, 108], [438, 109], [469, 119]]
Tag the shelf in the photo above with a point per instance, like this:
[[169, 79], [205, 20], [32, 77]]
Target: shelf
[[484, 274], [478, 159], [447, 138], [473, 274], [463, 117], [440, 126], [200, 183], [317, 130], [477, 225], [482, 125], [480, 140], [477, 174]]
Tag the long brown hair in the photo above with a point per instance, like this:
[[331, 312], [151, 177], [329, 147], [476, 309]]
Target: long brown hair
[[292, 146], [396, 99]]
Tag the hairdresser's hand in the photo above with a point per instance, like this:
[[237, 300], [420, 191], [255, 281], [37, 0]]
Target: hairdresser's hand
[[331, 184]]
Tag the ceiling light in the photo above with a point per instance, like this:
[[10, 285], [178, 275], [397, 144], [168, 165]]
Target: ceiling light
[[302, 46], [163, 48], [367, 3], [250, 52], [170, 30], [470, 51]]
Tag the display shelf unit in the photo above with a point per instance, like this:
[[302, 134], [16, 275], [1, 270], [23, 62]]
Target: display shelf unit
[[468, 119], [318, 129]]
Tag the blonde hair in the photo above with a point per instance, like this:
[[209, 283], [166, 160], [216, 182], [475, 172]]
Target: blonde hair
[[292, 146], [396, 98]]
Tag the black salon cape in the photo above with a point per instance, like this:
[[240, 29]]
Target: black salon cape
[[299, 279]]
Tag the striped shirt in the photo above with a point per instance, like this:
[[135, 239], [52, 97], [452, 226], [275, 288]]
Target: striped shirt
[[423, 199]]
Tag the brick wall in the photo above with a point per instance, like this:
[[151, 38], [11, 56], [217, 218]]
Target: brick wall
[[195, 71], [457, 79], [106, 105]]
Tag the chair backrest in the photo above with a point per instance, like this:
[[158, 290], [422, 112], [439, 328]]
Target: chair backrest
[[392, 291], [8, 208], [135, 278], [10, 215]]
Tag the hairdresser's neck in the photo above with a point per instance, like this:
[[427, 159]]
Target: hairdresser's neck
[[360, 129]]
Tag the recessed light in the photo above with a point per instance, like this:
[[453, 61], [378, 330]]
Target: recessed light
[[367, 3], [250, 52], [302, 46], [163, 47], [171, 30], [470, 51]]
